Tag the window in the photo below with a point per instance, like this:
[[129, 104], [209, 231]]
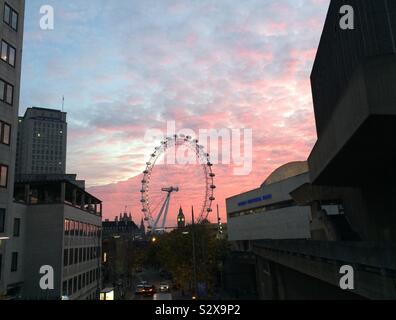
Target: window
[[75, 256], [3, 176], [80, 255], [8, 53], [6, 92], [10, 17], [65, 257], [71, 258], [17, 227], [5, 133], [2, 220], [64, 288], [14, 262], [79, 282], [1, 263], [75, 285], [70, 287]]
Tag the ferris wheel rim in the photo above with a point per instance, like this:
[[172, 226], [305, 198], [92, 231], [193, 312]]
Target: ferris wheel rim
[[204, 160]]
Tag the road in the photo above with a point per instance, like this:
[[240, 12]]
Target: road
[[153, 277]]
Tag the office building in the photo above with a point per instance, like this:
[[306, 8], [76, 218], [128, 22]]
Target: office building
[[42, 141], [11, 40], [62, 229]]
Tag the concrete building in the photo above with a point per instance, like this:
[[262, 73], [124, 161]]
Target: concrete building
[[351, 170], [62, 229], [353, 88], [42, 141], [11, 34], [269, 212]]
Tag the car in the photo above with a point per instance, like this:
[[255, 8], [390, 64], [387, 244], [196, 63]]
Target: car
[[164, 287], [149, 290], [140, 289]]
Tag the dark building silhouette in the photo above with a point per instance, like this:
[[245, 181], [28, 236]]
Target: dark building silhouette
[[181, 220]]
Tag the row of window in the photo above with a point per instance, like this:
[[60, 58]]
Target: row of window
[[3, 176], [44, 125], [77, 228], [17, 223], [79, 255], [79, 282], [8, 53], [10, 17], [5, 133]]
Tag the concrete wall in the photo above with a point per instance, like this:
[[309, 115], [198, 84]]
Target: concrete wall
[[286, 223], [44, 246]]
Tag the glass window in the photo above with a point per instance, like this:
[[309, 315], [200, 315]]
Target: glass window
[[9, 94], [80, 255], [7, 53], [75, 256], [14, 20], [79, 282], [64, 288], [2, 90], [11, 56], [10, 17], [4, 51], [2, 220], [6, 134], [7, 14], [65, 257], [3, 176], [71, 258], [75, 285], [14, 262], [17, 227], [72, 228], [70, 287]]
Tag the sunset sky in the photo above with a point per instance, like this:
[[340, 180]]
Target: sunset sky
[[127, 66]]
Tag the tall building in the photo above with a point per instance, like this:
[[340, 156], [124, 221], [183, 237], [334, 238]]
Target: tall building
[[42, 141], [11, 37]]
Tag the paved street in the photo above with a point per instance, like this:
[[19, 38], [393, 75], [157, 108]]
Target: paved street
[[153, 277]]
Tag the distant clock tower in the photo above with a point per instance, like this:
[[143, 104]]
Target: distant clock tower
[[181, 220]]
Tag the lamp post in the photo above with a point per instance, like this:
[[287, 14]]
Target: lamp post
[[193, 252]]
